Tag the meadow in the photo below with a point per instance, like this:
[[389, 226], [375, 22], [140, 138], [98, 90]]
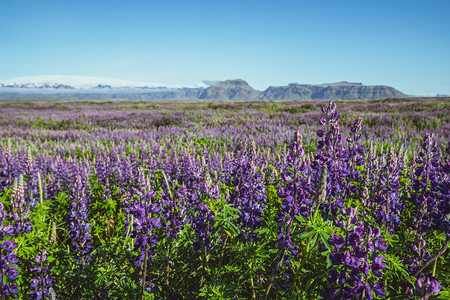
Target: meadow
[[225, 199]]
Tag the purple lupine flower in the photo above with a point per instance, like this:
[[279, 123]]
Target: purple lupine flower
[[249, 194], [295, 193], [173, 210], [8, 268], [41, 285], [296, 197], [6, 229], [386, 190], [430, 204], [352, 260], [146, 219], [426, 285], [339, 159], [8, 169], [379, 288], [202, 219], [78, 219], [430, 197]]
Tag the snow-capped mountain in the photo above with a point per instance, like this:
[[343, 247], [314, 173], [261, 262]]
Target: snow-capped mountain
[[70, 83]]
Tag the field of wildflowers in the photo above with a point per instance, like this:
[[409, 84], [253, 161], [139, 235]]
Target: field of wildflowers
[[225, 200]]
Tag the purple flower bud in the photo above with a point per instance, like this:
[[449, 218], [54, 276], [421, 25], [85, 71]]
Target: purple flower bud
[[418, 284], [322, 121], [435, 287], [320, 133], [378, 288], [34, 283], [379, 244]]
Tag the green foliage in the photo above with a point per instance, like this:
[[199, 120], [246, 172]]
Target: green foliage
[[166, 121]]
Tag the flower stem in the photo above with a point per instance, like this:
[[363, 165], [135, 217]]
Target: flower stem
[[434, 257], [277, 266], [204, 266], [252, 283], [168, 266], [41, 190], [222, 252], [274, 273], [42, 281], [144, 274], [434, 267]]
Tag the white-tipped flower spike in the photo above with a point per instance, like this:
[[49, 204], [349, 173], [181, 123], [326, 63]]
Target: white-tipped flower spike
[[29, 161], [18, 192]]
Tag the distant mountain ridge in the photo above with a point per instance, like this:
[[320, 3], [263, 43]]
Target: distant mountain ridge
[[339, 90], [85, 88], [239, 89]]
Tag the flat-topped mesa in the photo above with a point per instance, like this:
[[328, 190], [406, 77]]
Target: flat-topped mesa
[[236, 89], [338, 90]]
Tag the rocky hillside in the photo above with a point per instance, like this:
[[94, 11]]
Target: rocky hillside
[[339, 90], [237, 89], [240, 90]]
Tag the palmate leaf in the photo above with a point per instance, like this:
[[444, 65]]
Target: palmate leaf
[[224, 220], [323, 230], [26, 251], [395, 264]]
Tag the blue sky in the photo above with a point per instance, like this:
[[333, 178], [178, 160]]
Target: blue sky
[[404, 44]]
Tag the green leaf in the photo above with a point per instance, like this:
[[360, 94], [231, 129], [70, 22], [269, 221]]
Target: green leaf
[[329, 263], [324, 237], [444, 295], [314, 241], [306, 234], [301, 219], [261, 230]]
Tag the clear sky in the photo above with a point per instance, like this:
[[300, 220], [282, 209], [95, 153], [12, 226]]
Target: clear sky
[[404, 44]]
